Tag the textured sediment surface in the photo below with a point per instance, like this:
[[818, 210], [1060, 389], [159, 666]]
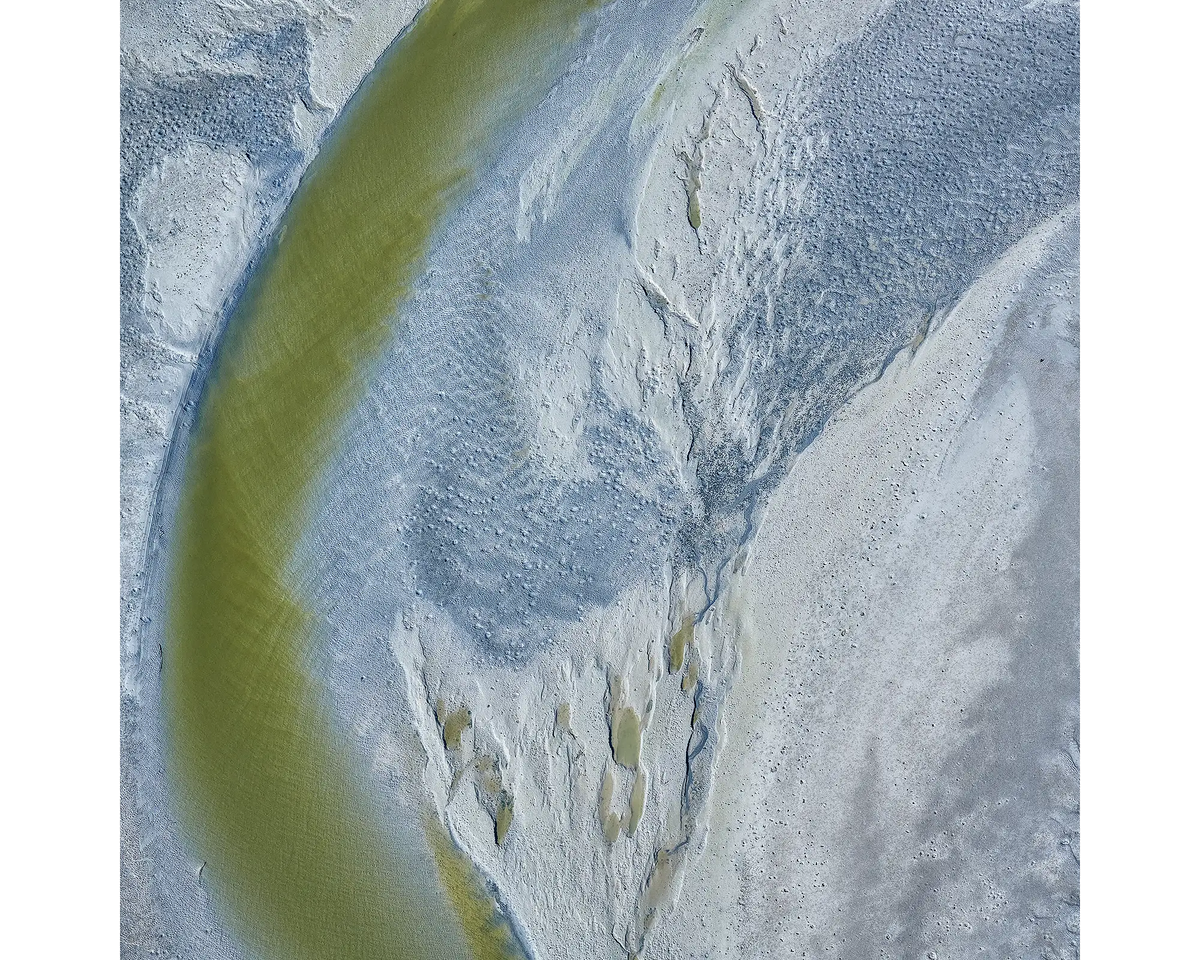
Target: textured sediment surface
[[676, 498]]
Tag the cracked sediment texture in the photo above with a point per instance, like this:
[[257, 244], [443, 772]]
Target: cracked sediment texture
[[267, 789]]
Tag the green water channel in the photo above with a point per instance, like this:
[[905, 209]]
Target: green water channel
[[268, 788]]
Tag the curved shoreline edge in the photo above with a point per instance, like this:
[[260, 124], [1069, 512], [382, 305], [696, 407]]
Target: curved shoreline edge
[[264, 785]]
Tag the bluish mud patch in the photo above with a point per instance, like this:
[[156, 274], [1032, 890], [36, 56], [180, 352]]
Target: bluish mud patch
[[503, 539], [443, 492], [473, 518], [248, 112], [937, 140]]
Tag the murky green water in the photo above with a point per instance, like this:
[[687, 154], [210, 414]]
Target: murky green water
[[267, 788]]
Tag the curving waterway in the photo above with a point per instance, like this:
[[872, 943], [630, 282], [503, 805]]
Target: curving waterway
[[268, 790]]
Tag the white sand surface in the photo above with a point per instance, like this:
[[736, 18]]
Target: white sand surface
[[900, 771]]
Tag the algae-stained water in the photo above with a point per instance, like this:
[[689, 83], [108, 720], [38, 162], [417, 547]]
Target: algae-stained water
[[293, 850]]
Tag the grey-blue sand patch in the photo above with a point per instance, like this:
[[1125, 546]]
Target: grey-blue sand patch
[[443, 494], [940, 138]]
